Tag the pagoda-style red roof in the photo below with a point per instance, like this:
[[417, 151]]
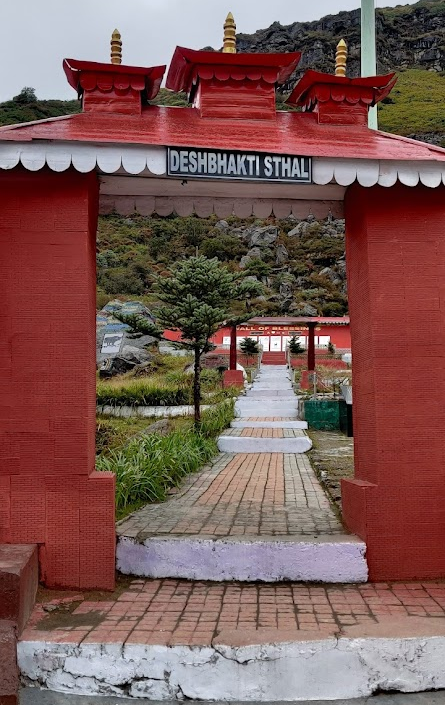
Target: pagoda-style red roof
[[113, 87], [339, 99], [231, 86], [187, 65], [289, 133]]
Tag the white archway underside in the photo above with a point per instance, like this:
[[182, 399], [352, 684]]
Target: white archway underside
[[157, 193]]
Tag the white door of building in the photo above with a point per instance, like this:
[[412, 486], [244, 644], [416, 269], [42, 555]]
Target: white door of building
[[275, 343], [264, 341]]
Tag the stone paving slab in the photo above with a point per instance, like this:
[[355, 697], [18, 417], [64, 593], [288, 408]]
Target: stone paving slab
[[245, 423], [261, 432], [269, 494], [172, 612]]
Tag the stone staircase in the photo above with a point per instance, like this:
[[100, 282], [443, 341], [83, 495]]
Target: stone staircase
[[271, 395], [258, 513], [273, 358]]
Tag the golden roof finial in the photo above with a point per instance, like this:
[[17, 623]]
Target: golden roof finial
[[229, 35], [341, 58], [116, 47]]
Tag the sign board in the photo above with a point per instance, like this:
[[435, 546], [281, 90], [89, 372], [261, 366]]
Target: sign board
[[245, 166], [111, 343]]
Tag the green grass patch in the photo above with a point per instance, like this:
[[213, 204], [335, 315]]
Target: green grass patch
[[147, 467], [415, 105], [142, 392], [171, 387]]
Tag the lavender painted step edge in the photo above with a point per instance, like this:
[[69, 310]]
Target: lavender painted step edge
[[247, 444], [333, 559]]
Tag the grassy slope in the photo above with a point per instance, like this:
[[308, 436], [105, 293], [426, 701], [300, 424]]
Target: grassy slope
[[417, 104]]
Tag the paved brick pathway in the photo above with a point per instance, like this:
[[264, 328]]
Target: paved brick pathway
[[180, 612], [265, 432], [256, 494]]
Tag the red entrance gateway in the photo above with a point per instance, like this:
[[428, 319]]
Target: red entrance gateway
[[229, 152]]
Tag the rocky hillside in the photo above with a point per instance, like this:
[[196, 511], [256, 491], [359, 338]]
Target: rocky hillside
[[410, 40], [301, 264], [410, 36]]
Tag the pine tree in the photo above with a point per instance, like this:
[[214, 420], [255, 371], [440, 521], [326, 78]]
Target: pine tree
[[249, 347], [295, 346], [195, 300]]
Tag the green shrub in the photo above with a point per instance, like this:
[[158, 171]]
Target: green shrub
[[147, 467], [215, 420]]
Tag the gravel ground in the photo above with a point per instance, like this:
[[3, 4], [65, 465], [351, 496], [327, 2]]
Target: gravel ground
[[332, 458]]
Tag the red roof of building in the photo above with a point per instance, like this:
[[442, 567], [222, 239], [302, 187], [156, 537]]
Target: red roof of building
[[289, 133]]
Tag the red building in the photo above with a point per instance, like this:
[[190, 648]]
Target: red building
[[274, 333]]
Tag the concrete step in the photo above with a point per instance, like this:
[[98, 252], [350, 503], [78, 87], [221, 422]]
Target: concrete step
[[339, 558], [272, 385], [254, 407], [270, 393], [246, 444], [269, 424]]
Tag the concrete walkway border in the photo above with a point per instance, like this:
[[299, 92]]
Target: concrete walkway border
[[355, 664]]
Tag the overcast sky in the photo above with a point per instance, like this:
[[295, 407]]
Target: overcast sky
[[38, 34]]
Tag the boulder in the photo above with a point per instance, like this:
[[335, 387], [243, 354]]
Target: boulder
[[299, 230], [301, 309], [286, 290], [254, 253], [331, 275], [281, 255], [222, 225], [263, 237]]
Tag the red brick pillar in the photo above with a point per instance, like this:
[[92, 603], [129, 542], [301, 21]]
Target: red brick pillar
[[396, 274], [50, 493]]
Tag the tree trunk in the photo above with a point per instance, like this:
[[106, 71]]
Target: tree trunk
[[197, 388]]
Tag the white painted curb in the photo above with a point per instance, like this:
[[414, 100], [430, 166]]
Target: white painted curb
[[330, 668]]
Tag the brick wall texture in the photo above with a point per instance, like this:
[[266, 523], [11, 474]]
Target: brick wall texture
[[50, 493], [396, 279]]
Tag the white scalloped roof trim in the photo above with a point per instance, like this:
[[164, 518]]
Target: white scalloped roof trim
[[136, 160]]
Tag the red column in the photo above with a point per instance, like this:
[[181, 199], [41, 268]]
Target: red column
[[311, 347], [232, 363], [396, 275], [232, 376], [50, 493]]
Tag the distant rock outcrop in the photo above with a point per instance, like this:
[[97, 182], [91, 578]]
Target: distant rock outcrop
[[118, 348]]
